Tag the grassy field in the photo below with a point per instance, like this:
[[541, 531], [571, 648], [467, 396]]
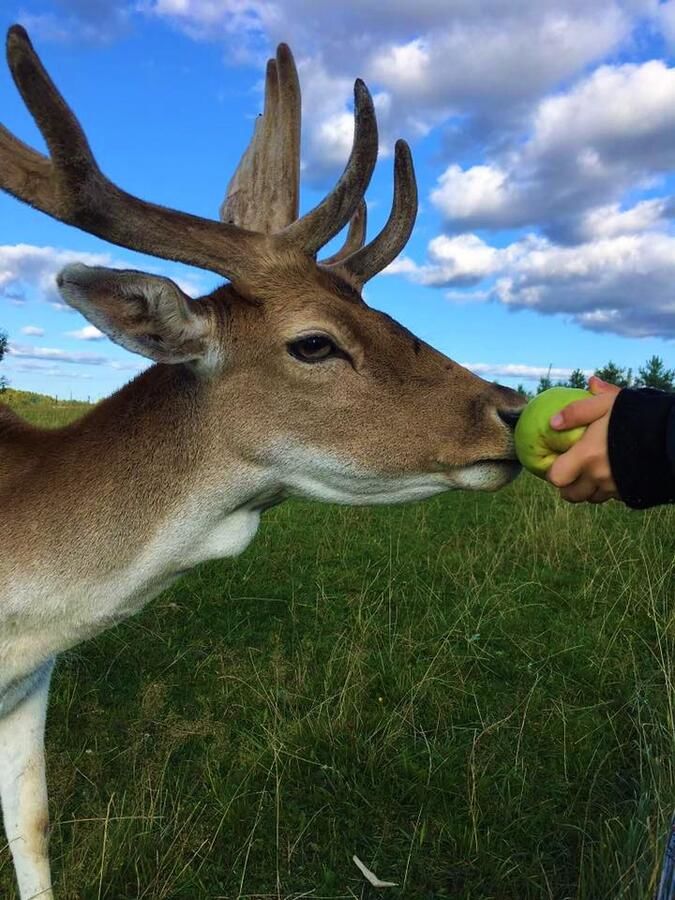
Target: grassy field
[[473, 694], [46, 412]]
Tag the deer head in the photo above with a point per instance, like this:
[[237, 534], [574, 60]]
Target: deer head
[[295, 373]]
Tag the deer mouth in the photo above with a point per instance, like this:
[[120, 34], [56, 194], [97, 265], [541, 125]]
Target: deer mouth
[[508, 467], [497, 461], [488, 474]]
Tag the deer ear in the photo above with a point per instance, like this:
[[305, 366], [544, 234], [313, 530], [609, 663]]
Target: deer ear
[[146, 314]]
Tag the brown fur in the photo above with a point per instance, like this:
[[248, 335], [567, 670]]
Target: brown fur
[[95, 489]]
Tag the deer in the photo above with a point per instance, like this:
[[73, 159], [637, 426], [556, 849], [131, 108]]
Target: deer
[[280, 383]]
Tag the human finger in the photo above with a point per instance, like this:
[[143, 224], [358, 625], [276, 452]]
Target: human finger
[[597, 386], [581, 490], [582, 412], [601, 496], [567, 467]]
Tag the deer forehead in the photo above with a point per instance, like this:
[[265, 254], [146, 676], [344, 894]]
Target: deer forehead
[[293, 295], [311, 306]]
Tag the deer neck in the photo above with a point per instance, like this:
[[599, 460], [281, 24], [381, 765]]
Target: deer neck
[[108, 511]]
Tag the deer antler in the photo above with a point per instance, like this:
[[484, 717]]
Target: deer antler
[[71, 187], [263, 193], [383, 249], [356, 237], [261, 206], [318, 226]]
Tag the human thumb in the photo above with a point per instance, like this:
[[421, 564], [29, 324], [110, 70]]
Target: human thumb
[[598, 386]]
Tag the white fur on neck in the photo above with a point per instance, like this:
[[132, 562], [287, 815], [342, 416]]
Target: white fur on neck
[[321, 475], [43, 622]]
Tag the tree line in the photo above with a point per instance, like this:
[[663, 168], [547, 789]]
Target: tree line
[[653, 374]]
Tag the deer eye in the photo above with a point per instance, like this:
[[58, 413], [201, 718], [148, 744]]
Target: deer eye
[[313, 348]]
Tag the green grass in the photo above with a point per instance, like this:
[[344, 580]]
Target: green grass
[[47, 412], [473, 694]]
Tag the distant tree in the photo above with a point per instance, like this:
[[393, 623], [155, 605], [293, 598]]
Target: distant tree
[[614, 375], [3, 350], [545, 382], [520, 389], [655, 375], [577, 379]]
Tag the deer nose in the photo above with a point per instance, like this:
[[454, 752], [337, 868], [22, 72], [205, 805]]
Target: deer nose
[[509, 416]]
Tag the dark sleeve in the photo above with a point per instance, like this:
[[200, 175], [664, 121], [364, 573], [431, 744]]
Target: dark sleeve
[[641, 446]]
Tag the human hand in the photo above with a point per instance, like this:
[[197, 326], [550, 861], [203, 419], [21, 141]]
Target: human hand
[[583, 472]]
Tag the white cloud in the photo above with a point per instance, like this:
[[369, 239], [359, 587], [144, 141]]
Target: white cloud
[[520, 370], [191, 284], [328, 137], [29, 268], [499, 58], [403, 265], [480, 66], [623, 284], [88, 333], [562, 146], [587, 147], [328, 121], [22, 351], [404, 68], [464, 259], [47, 370], [241, 23], [624, 103], [24, 266], [463, 297], [33, 331], [482, 63], [34, 357], [479, 191], [612, 221]]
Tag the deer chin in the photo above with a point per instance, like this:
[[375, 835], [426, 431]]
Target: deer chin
[[319, 475], [486, 474]]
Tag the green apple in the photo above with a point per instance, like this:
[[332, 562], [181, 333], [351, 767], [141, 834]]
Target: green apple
[[537, 444]]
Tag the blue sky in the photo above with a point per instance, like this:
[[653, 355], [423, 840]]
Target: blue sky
[[543, 135]]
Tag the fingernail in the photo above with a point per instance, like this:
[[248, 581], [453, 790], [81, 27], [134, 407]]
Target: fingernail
[[556, 421]]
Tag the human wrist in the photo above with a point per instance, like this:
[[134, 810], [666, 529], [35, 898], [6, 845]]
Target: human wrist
[[641, 458]]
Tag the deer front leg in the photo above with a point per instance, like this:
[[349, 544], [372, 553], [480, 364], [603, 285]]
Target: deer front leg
[[23, 789]]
